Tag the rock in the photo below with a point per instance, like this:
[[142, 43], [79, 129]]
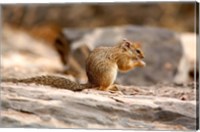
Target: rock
[[42, 106], [26, 54], [162, 48], [23, 51]]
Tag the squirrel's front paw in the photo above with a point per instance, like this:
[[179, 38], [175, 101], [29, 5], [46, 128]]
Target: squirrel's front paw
[[142, 63]]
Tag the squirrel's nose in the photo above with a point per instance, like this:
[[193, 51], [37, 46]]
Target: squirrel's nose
[[141, 56]]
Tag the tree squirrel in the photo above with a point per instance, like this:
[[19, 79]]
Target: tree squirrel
[[102, 66]]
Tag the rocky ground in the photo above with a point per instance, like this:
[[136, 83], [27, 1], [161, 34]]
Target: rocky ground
[[149, 100], [138, 108]]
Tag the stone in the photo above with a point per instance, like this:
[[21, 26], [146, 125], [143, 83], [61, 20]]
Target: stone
[[47, 107]]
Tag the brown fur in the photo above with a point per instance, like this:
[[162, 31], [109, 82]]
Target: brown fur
[[103, 63], [49, 80]]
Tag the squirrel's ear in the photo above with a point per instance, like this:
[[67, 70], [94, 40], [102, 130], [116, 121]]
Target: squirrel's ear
[[125, 45]]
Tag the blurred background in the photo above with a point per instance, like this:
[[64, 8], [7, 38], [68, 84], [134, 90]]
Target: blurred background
[[166, 30], [176, 16]]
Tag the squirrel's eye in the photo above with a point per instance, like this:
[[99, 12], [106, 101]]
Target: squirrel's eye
[[138, 51]]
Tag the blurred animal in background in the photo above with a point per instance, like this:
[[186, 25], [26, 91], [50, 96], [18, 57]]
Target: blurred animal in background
[[188, 69], [53, 36]]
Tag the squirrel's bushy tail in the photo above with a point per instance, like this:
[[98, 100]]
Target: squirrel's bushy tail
[[53, 81]]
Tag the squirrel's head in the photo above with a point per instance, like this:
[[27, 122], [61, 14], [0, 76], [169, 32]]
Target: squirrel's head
[[133, 48]]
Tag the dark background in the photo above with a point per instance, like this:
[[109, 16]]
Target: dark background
[[175, 16]]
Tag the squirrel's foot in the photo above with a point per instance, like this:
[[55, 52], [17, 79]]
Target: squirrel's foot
[[110, 88], [113, 88], [141, 63]]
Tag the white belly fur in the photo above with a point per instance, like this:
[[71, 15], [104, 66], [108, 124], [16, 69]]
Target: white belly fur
[[114, 73]]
